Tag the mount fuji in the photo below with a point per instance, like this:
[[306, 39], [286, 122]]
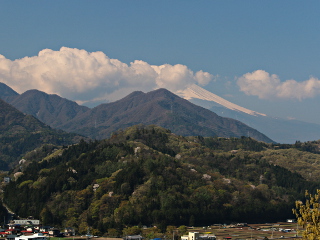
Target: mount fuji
[[194, 91], [278, 129]]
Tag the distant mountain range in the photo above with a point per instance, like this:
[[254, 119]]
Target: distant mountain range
[[278, 129], [159, 107], [162, 108]]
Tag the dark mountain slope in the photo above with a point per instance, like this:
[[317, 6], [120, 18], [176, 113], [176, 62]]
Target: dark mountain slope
[[162, 108], [48, 108], [7, 93], [20, 133]]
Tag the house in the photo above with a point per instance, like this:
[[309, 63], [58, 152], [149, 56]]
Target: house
[[6, 179], [10, 231], [44, 229], [30, 229], [69, 231], [133, 237], [291, 220], [54, 232], [3, 234], [11, 237], [191, 236], [25, 222], [198, 236]]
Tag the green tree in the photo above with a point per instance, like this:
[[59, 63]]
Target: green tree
[[112, 232], [46, 216], [182, 230], [308, 215], [170, 229], [135, 230]]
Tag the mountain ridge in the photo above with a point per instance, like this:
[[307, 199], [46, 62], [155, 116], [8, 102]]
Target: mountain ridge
[[48, 108], [163, 108], [159, 107]]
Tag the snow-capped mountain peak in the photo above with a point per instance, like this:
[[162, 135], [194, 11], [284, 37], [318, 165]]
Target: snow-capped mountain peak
[[194, 91]]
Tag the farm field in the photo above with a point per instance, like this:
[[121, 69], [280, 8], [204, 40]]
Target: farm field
[[230, 232], [254, 231]]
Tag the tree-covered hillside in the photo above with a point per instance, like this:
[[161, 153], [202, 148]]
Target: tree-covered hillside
[[147, 175], [20, 133]]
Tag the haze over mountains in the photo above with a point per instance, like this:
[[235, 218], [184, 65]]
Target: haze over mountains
[[159, 107], [278, 129]]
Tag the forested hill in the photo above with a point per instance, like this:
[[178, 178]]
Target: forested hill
[[147, 175], [20, 133]]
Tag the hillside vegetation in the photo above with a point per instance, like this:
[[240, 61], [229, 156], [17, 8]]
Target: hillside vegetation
[[148, 175], [20, 133]]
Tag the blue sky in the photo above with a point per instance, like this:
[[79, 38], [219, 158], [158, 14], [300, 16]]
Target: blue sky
[[250, 49]]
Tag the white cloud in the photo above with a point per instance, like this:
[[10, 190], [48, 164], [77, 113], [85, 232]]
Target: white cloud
[[203, 78], [260, 83], [83, 76]]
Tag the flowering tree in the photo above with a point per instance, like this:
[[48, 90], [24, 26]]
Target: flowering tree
[[308, 216]]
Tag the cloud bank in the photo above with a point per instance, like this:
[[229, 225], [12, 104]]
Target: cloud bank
[[87, 77], [260, 83]]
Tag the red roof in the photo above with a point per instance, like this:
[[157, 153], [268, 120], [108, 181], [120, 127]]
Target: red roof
[[25, 231], [3, 233]]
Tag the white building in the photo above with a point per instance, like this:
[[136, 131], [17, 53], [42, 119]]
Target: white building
[[36, 236], [291, 220], [198, 236], [191, 236], [27, 221]]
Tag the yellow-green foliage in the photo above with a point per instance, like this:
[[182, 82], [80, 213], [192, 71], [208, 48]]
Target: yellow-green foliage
[[308, 216], [99, 181], [25, 183], [39, 182], [305, 163], [45, 171], [54, 154]]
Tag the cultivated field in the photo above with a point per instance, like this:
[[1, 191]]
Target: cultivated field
[[282, 230]]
